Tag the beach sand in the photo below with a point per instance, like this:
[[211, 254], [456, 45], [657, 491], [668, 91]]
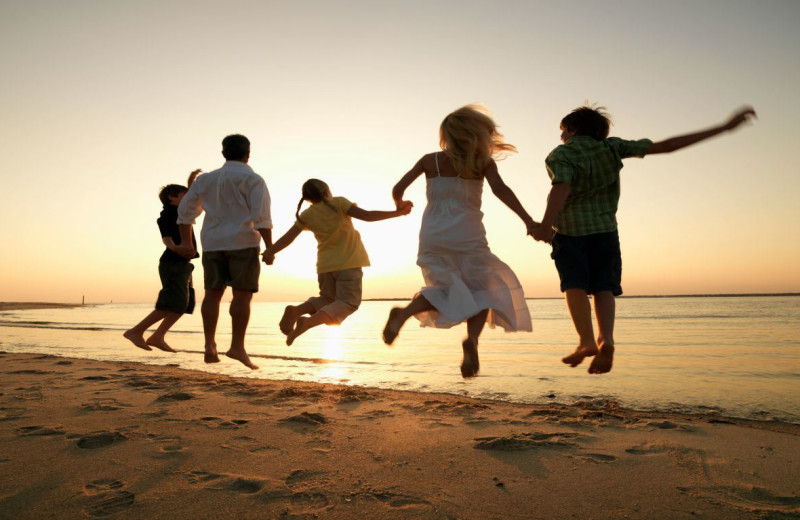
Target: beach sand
[[92, 439]]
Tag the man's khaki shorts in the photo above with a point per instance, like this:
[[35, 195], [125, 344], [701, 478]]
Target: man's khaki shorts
[[238, 269]]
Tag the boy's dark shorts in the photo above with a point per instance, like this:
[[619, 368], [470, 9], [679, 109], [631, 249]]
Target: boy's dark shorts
[[177, 291], [238, 269], [591, 262]]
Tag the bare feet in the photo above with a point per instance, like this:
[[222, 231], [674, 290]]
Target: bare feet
[[581, 353], [300, 326], [159, 343], [210, 355], [392, 328], [601, 364], [243, 358], [136, 338], [470, 365], [288, 320]]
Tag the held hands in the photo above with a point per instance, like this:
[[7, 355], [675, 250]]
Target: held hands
[[185, 251], [268, 257], [744, 115], [404, 206], [540, 232]]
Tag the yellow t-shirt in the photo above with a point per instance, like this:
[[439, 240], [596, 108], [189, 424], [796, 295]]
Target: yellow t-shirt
[[339, 245]]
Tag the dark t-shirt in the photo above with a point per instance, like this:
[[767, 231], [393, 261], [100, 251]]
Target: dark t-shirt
[[168, 225]]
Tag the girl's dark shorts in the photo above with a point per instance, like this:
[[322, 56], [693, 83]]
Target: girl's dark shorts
[[177, 292], [591, 262]]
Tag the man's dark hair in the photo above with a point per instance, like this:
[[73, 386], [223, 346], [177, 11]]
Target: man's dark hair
[[589, 121], [170, 190], [235, 147]]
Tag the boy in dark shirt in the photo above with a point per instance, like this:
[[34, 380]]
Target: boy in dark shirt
[[177, 294]]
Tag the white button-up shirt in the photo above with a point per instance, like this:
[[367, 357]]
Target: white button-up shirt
[[236, 202]]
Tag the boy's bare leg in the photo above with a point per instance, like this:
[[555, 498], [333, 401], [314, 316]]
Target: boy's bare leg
[[157, 338], [581, 312], [290, 315], [136, 334], [209, 310], [470, 364], [303, 324], [605, 311], [399, 315], [240, 317]]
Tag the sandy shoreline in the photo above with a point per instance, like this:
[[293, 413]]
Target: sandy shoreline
[[92, 439]]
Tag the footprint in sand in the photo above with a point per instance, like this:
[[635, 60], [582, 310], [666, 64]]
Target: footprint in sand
[[99, 440], [176, 396], [599, 458], [170, 444], [11, 414], [26, 431], [107, 497], [526, 441], [248, 444], [103, 405], [217, 422], [307, 418]]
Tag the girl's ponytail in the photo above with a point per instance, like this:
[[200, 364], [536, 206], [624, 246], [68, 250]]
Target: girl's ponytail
[[314, 190]]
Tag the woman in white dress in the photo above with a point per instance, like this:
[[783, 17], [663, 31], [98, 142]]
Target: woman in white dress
[[464, 281]]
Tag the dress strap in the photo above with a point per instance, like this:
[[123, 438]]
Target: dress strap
[[436, 158]]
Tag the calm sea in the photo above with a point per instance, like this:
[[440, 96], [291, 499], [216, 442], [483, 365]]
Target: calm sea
[[731, 356]]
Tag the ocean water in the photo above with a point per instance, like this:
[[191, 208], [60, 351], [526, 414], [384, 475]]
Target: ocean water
[[728, 356]]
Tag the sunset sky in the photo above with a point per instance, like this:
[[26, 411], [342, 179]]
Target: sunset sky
[[104, 102]]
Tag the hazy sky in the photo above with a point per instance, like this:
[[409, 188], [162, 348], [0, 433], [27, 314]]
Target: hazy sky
[[103, 102]]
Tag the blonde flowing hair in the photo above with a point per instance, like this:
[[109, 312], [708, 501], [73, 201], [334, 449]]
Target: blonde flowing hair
[[469, 137]]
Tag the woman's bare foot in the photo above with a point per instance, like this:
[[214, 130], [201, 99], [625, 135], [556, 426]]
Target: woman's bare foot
[[470, 365], [300, 326], [136, 338], [243, 358], [288, 320], [392, 328], [581, 353], [160, 344], [601, 364], [210, 355]]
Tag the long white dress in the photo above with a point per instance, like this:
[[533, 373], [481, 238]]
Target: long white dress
[[462, 276]]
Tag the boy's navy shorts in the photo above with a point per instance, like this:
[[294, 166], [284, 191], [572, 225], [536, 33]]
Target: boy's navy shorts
[[177, 292], [591, 262]]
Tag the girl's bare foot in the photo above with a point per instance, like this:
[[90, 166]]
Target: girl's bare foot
[[470, 365], [392, 328], [288, 320], [300, 326], [159, 344], [210, 355], [581, 353], [601, 364], [243, 358], [136, 338]]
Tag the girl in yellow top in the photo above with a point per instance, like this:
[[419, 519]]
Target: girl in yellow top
[[340, 257]]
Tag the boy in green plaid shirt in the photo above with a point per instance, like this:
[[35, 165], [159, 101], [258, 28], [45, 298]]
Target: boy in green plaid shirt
[[581, 224]]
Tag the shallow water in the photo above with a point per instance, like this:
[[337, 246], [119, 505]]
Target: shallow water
[[734, 356]]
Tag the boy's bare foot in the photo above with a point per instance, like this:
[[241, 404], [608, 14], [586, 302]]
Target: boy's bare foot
[[581, 353], [243, 358], [210, 355], [160, 344], [288, 320], [300, 326], [391, 330], [470, 365], [601, 364], [136, 338]]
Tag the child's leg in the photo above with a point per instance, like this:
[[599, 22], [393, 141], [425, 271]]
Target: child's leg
[[136, 334], [303, 324], [157, 338], [399, 315], [240, 317], [581, 312], [470, 364], [209, 310], [291, 314], [605, 310]]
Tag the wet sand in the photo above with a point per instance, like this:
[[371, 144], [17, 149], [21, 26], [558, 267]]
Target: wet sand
[[93, 439]]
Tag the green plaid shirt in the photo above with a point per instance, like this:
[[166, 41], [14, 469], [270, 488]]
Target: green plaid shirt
[[591, 168]]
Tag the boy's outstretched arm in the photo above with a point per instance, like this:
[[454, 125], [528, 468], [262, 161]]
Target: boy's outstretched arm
[[404, 208], [269, 255], [682, 141]]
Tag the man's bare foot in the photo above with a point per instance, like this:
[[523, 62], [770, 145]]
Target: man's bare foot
[[581, 353], [159, 344], [470, 365], [243, 358], [300, 326], [210, 355], [136, 338], [392, 328], [601, 364], [288, 320]]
